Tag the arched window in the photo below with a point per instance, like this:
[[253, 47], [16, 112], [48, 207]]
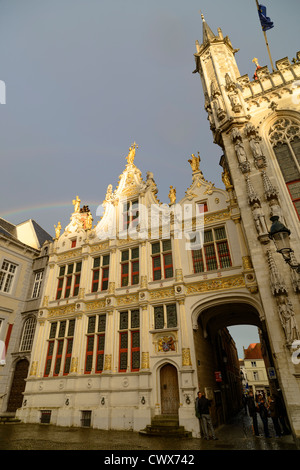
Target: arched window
[[284, 136], [28, 334]]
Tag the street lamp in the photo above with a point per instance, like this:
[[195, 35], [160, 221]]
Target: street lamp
[[280, 234]]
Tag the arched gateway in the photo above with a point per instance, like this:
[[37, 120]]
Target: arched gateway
[[216, 377]]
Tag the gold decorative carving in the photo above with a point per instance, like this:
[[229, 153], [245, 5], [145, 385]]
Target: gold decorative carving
[[145, 360], [216, 284], [216, 216], [247, 263], [143, 281], [99, 247], [58, 311], [127, 299], [81, 293], [95, 305], [162, 293], [186, 357], [74, 364], [107, 362], [45, 301], [69, 254], [33, 368], [178, 275]]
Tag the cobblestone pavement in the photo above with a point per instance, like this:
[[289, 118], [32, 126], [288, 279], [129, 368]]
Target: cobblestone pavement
[[235, 436]]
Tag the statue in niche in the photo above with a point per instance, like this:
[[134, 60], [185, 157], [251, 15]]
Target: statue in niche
[[287, 318], [235, 102], [240, 151], [276, 210], [217, 102], [255, 147], [259, 219]]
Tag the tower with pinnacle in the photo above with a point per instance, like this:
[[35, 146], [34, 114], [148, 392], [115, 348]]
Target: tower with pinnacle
[[256, 123]]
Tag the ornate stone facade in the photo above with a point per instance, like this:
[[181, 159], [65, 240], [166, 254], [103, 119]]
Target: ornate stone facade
[[149, 288]]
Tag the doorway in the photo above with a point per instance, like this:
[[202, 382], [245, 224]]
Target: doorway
[[18, 386], [169, 390]]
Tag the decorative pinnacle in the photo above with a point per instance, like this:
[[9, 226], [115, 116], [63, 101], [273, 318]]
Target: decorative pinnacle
[[202, 16]]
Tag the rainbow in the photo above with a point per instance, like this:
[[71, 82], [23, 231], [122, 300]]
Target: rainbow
[[46, 206]]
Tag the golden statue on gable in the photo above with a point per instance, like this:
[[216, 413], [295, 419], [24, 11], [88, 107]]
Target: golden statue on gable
[[131, 154], [194, 162], [57, 230], [172, 195], [76, 204]]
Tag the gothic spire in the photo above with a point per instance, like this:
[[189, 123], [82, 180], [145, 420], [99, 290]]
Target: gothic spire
[[208, 35]]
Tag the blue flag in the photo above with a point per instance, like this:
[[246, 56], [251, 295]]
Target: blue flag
[[265, 21]]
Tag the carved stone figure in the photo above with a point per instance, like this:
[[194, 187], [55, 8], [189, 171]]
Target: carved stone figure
[[235, 102], [259, 218], [287, 318]]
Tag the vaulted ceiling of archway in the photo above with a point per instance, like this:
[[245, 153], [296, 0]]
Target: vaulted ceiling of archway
[[221, 316]]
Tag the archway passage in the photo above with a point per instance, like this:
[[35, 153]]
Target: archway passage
[[218, 366], [18, 386], [169, 390]]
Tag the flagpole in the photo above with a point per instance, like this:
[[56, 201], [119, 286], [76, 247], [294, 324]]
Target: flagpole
[[266, 40]]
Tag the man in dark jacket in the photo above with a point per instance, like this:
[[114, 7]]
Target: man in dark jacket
[[253, 410], [202, 410]]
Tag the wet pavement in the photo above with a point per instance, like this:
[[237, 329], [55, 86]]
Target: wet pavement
[[234, 436]]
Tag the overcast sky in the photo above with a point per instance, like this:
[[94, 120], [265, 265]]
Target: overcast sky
[[86, 78]]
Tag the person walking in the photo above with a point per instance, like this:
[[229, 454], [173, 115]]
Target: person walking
[[274, 412], [203, 409], [253, 410], [263, 412], [197, 412]]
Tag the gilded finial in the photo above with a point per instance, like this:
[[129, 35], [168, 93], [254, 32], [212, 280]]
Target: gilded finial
[[202, 16], [131, 154], [76, 204], [255, 61]]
